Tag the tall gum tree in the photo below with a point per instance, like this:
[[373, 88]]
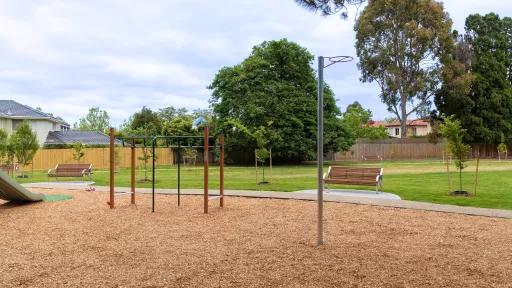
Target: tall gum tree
[[478, 89], [329, 7], [403, 45]]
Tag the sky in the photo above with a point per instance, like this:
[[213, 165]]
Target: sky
[[68, 56]]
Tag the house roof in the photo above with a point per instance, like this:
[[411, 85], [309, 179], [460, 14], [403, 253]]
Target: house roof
[[410, 123], [70, 137], [14, 110]]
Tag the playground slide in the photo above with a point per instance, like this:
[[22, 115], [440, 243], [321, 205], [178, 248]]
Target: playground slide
[[11, 190]]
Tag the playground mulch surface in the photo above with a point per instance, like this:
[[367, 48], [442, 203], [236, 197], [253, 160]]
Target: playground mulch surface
[[250, 242]]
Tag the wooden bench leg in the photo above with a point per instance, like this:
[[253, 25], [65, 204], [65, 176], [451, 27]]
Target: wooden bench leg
[[379, 186]]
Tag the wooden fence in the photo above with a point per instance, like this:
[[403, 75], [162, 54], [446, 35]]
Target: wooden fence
[[98, 157], [391, 149]]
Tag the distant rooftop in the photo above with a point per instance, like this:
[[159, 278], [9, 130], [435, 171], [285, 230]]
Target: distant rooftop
[[70, 137], [396, 123], [15, 110]]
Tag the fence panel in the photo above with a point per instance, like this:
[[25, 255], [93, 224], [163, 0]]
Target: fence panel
[[99, 157], [393, 149]]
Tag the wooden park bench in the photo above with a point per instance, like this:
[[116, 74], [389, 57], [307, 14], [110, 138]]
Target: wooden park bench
[[371, 158], [71, 170], [354, 176]]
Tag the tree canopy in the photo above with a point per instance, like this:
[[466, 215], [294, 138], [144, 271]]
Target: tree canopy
[[95, 120], [25, 144], [329, 7], [402, 45], [357, 120], [275, 90], [145, 122], [477, 89]]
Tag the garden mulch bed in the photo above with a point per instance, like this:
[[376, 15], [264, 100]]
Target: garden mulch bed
[[250, 242]]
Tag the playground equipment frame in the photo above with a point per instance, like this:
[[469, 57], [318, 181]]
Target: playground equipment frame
[[168, 142]]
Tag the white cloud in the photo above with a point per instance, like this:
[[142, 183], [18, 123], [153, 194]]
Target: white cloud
[[150, 69], [23, 39], [122, 55]]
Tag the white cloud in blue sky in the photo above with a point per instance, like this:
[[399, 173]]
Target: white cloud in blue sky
[[67, 56]]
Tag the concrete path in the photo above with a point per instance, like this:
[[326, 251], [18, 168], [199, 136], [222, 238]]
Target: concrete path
[[355, 193], [328, 197]]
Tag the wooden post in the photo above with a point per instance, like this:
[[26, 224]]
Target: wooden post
[[449, 176], [221, 181], [132, 166], [256, 166], [476, 173], [270, 150], [205, 164], [112, 167]]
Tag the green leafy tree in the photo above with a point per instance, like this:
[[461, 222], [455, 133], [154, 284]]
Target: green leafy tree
[[502, 148], [78, 151], [477, 88], [180, 126], [24, 143], [147, 122], [95, 120], [117, 157], [4, 143], [147, 151], [329, 7], [402, 45], [453, 132], [10, 151], [178, 121], [357, 120], [276, 88], [170, 113]]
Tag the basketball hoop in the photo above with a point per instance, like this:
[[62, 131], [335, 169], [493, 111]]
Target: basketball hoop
[[338, 59]]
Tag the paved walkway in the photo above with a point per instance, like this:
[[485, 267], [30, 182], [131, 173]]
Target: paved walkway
[[355, 193], [328, 197]]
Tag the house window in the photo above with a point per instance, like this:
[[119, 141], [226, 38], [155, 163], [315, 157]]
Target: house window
[[397, 131], [16, 123]]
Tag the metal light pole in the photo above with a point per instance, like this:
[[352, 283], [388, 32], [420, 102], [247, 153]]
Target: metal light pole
[[320, 139], [320, 150]]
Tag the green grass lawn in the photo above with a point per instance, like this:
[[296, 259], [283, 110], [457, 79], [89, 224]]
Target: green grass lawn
[[425, 181]]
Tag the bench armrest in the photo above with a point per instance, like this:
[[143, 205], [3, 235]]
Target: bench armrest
[[380, 176], [326, 174]]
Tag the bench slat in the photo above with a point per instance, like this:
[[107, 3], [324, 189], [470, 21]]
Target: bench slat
[[354, 176], [71, 170]]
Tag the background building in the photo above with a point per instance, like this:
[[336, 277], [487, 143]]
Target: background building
[[12, 114]]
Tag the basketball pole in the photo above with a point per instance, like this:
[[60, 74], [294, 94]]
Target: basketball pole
[[320, 151], [320, 140]]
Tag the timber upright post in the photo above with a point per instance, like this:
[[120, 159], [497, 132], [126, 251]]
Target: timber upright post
[[132, 176], [221, 180], [205, 164], [112, 168]]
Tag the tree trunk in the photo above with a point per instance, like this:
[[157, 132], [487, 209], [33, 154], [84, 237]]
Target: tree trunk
[[403, 120]]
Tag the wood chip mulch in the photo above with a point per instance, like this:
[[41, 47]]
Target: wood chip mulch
[[249, 243]]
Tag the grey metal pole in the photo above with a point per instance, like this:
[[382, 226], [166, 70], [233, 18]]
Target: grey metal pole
[[153, 176], [320, 150]]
